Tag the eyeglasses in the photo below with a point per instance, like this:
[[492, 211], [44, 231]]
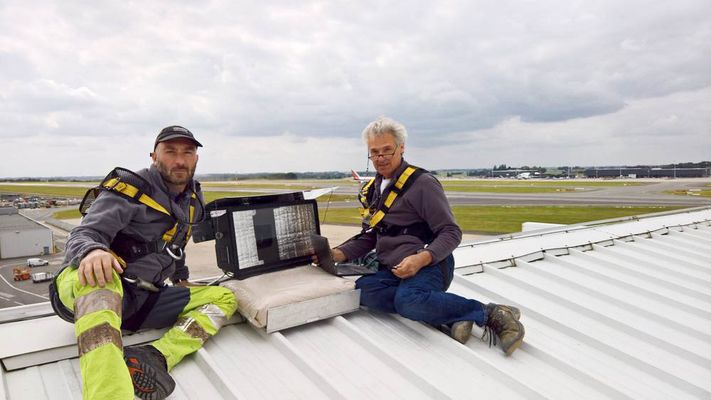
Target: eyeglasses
[[384, 156]]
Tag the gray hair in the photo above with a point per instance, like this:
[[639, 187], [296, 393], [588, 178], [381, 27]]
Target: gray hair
[[384, 125]]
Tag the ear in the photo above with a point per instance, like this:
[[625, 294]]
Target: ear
[[153, 156]]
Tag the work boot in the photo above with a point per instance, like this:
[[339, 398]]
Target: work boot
[[515, 312], [149, 372], [461, 331], [503, 324]]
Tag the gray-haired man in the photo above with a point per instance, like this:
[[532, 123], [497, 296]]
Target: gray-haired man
[[409, 222]]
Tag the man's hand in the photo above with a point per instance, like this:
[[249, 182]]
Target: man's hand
[[411, 265], [96, 267], [336, 254]]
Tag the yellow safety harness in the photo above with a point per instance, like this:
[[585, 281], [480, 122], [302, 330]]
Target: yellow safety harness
[[371, 216], [132, 186], [134, 193]]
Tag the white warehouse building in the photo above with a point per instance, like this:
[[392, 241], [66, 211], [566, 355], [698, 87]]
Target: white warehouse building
[[21, 236]]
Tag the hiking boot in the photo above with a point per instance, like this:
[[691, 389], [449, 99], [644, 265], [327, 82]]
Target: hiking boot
[[515, 312], [149, 372], [461, 331], [503, 324]]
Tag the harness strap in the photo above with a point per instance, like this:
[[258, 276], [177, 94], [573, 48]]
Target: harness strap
[[363, 197], [132, 248], [133, 192], [404, 181], [418, 229]]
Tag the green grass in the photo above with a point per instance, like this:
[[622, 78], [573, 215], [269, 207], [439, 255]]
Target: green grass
[[41, 190], [67, 214], [76, 183], [507, 219], [210, 196], [286, 185], [685, 192], [247, 185]]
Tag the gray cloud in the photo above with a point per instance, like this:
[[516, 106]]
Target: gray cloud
[[323, 70]]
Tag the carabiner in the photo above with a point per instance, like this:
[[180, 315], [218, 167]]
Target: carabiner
[[170, 253]]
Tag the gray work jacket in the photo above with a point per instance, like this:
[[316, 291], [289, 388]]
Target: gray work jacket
[[423, 201], [112, 213]]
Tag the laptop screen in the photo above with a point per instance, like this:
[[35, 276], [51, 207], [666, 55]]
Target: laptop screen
[[254, 235]]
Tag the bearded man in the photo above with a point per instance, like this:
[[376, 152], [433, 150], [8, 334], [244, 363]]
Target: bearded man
[[129, 243]]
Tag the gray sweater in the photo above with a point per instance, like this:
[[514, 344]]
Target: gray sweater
[[423, 201], [112, 213]]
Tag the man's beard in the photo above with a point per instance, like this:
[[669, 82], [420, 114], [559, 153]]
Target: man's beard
[[173, 180]]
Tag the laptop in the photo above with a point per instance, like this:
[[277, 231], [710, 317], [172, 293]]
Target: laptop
[[323, 252]]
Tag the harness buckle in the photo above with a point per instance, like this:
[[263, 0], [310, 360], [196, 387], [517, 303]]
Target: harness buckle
[[170, 252], [116, 180]]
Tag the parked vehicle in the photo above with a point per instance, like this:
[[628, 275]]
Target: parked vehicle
[[20, 274], [36, 262], [38, 277]]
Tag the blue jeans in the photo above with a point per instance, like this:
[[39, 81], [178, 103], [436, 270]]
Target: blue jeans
[[422, 297]]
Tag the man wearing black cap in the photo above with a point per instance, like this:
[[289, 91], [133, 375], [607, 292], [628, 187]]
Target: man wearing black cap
[[129, 243]]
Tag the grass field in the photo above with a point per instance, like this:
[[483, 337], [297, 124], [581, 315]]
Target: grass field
[[682, 192], [507, 219], [67, 214], [248, 185], [210, 195], [42, 190]]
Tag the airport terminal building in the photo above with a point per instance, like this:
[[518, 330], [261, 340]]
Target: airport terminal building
[[22, 237]]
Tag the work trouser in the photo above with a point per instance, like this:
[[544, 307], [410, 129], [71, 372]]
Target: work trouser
[[196, 313], [422, 297]]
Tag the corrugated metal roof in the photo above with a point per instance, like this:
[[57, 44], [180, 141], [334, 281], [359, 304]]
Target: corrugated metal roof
[[17, 221], [618, 310]]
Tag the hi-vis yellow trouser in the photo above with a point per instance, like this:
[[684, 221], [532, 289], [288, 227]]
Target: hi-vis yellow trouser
[[98, 318]]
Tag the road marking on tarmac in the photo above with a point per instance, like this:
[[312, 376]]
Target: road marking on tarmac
[[23, 291], [6, 295]]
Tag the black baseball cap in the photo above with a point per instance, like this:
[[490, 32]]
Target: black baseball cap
[[175, 132]]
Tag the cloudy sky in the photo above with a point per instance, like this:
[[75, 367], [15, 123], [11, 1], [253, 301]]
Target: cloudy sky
[[289, 85]]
